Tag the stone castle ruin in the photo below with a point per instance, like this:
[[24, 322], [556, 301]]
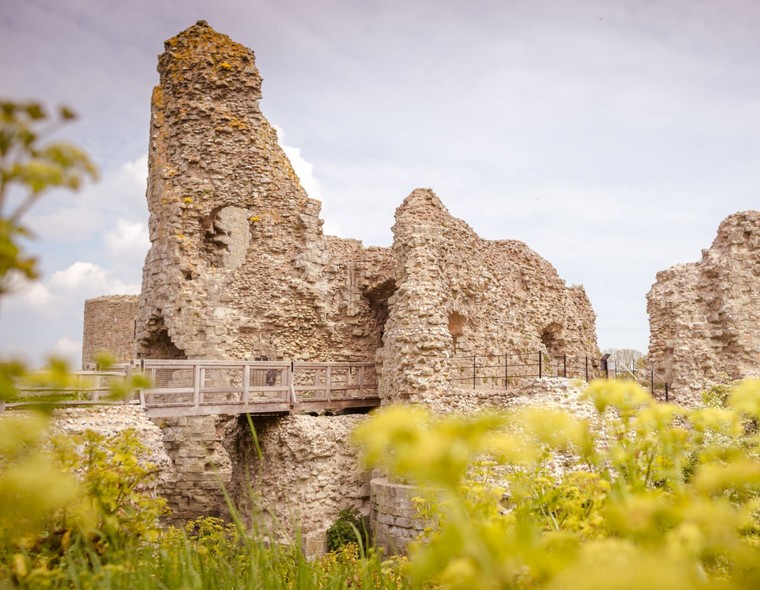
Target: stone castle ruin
[[704, 317], [239, 268]]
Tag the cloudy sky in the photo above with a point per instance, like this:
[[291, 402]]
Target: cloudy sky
[[611, 136]]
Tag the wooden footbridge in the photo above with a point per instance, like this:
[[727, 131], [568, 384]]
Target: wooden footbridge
[[202, 387]]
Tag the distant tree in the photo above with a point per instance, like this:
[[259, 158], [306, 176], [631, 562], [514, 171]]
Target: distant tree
[[627, 358]]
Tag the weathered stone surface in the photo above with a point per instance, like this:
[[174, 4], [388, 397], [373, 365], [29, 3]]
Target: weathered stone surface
[[201, 467], [111, 420], [109, 326], [308, 472], [704, 317], [394, 515], [238, 265], [458, 294]]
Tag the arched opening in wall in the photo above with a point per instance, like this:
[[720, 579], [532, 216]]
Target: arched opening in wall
[[456, 327], [377, 297], [552, 339], [159, 344]]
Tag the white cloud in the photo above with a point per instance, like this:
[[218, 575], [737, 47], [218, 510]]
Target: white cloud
[[34, 295], [90, 279], [67, 349], [304, 169], [71, 218], [127, 243]]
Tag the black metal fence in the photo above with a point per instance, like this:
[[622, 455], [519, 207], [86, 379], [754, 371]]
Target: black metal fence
[[500, 371]]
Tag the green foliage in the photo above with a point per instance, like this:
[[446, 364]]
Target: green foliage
[[645, 495], [28, 167], [349, 527]]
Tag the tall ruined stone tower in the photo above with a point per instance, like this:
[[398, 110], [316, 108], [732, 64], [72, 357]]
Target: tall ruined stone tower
[[704, 317], [238, 265]]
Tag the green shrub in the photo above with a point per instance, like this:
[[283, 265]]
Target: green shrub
[[349, 527], [644, 495]]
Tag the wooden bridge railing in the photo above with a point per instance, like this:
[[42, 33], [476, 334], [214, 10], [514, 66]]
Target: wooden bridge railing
[[202, 387]]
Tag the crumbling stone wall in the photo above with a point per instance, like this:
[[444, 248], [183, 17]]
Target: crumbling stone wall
[[458, 294], [109, 326], [307, 473], [704, 317], [201, 466], [238, 265]]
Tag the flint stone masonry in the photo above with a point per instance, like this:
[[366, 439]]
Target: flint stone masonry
[[458, 294], [109, 326], [704, 317], [308, 472], [201, 466], [111, 420], [239, 266]]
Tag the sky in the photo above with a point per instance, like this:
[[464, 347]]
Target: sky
[[610, 136]]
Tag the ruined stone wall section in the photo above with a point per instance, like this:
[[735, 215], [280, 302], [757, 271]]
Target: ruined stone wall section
[[704, 317], [238, 265], [201, 467], [109, 326], [458, 294], [307, 474]]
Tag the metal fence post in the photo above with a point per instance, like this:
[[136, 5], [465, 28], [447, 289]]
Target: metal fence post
[[506, 370], [651, 379], [564, 365], [666, 392], [540, 364], [474, 370]]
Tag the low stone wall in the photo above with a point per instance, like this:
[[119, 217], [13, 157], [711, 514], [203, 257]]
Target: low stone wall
[[394, 517]]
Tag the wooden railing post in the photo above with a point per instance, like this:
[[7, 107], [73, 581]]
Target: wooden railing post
[[197, 374], [246, 382], [291, 379]]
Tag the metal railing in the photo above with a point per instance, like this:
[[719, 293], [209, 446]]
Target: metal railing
[[501, 371]]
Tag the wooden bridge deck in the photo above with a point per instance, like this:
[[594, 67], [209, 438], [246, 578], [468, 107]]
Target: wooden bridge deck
[[198, 388]]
